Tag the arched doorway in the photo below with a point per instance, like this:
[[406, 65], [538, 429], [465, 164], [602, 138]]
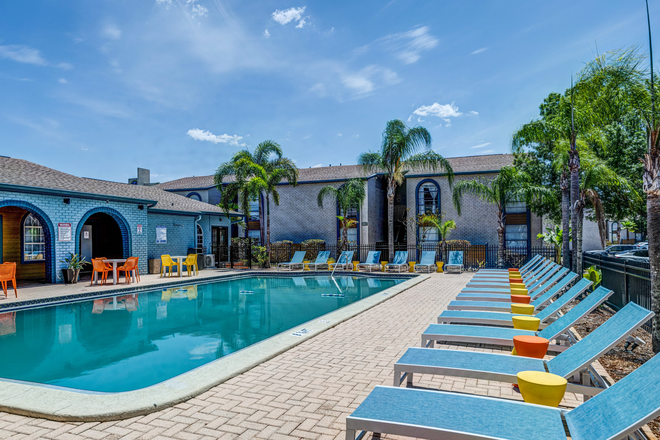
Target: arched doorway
[[103, 232], [27, 239]]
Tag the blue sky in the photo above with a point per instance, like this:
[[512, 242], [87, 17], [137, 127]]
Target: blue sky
[[98, 88]]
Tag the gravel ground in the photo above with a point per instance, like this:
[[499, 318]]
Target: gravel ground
[[619, 361]]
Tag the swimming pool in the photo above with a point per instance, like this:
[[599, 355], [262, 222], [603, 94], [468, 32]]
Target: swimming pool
[[136, 340]]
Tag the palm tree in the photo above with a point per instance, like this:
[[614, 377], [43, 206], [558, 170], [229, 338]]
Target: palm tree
[[235, 190], [348, 196], [402, 149], [509, 186], [257, 175]]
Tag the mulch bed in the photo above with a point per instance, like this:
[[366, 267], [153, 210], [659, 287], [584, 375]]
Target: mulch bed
[[619, 362]]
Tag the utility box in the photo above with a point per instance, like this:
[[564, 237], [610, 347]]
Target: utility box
[[154, 265]]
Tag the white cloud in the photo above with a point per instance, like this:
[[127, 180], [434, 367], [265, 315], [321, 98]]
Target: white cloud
[[62, 81], [447, 122], [286, 16], [472, 112], [481, 145], [409, 45], [65, 66], [486, 152], [370, 78], [167, 3], [318, 165], [319, 89], [339, 134], [203, 135], [266, 33], [111, 31], [22, 54], [199, 11], [482, 49], [439, 110]]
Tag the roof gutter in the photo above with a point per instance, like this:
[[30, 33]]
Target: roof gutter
[[74, 194]]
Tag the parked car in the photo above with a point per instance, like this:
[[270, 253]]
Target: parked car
[[636, 255], [613, 250], [642, 245]]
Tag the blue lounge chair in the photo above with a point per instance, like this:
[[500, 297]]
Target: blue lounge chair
[[503, 319], [478, 334], [504, 293], [400, 262], [427, 262], [504, 282], [504, 367], [535, 260], [542, 263], [321, 261], [296, 261], [499, 305], [616, 413], [371, 262], [345, 261], [455, 262]]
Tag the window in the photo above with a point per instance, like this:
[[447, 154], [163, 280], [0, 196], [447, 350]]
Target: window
[[34, 243], [428, 198], [253, 215], [200, 237], [516, 208], [516, 235], [428, 202], [194, 196], [254, 233]]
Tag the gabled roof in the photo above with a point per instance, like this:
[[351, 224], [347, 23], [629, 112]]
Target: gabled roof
[[23, 176], [461, 165]]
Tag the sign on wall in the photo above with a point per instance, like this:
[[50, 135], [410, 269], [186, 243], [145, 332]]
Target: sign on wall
[[161, 234], [64, 232], [139, 229]]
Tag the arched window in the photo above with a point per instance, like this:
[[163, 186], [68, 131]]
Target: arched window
[[194, 196], [428, 202], [34, 243], [200, 237]]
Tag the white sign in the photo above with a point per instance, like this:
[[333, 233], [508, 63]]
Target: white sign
[[161, 234], [64, 232], [86, 235], [301, 332], [139, 229]]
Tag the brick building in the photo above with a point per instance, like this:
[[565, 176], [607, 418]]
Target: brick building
[[298, 217], [45, 214]]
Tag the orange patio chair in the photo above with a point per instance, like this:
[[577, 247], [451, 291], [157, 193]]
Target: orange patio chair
[[8, 273], [127, 268], [99, 266], [137, 268]]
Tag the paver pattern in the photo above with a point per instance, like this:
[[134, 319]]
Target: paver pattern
[[304, 393]]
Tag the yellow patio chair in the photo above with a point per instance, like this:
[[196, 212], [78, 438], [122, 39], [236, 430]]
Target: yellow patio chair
[[165, 262], [191, 263]]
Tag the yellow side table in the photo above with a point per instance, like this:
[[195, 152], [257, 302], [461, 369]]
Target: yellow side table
[[522, 309], [355, 264], [383, 264], [519, 291], [440, 264], [526, 323], [541, 388], [331, 263], [412, 265], [306, 265]]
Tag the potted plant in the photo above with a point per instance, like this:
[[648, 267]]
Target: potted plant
[[74, 263]]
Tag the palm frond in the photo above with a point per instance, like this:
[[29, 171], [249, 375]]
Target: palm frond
[[477, 188], [370, 161], [326, 191]]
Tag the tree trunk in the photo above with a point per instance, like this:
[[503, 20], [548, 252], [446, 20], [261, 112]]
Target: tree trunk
[[578, 246], [344, 236], [391, 189], [565, 217], [262, 223], [501, 219], [574, 166], [651, 180], [268, 227]]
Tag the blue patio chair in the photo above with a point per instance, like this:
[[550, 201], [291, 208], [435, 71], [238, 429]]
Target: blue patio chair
[[296, 261], [504, 292], [455, 262], [531, 281], [616, 413], [400, 262], [427, 262], [524, 268], [321, 261], [504, 275], [371, 262], [504, 367], [345, 261]]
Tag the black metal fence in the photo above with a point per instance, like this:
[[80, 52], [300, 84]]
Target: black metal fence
[[474, 256], [630, 280]]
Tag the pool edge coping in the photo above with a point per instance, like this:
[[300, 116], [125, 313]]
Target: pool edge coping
[[68, 405]]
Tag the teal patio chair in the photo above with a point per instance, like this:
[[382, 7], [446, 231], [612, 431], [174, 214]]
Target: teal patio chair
[[372, 262], [321, 261], [345, 261], [296, 261], [455, 262], [400, 262], [427, 262]]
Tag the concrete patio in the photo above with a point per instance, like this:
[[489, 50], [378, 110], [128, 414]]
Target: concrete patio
[[305, 392]]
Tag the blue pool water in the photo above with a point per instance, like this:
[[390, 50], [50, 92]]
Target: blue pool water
[[136, 340]]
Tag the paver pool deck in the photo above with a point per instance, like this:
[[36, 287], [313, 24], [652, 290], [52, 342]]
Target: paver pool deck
[[305, 392]]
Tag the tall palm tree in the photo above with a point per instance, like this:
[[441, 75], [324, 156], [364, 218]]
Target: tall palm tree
[[577, 205], [402, 149], [348, 196], [257, 175], [235, 189], [509, 186]]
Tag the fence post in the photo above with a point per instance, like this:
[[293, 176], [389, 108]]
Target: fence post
[[249, 254], [231, 256], [625, 281]]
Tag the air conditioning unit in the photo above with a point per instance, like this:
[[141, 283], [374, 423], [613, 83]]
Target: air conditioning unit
[[209, 260]]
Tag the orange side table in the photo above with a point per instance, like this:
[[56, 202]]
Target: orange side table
[[530, 346], [521, 299]]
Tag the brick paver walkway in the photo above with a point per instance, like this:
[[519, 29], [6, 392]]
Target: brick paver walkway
[[306, 392]]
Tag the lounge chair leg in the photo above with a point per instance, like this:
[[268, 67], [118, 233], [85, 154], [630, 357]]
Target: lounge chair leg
[[409, 380], [350, 434]]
